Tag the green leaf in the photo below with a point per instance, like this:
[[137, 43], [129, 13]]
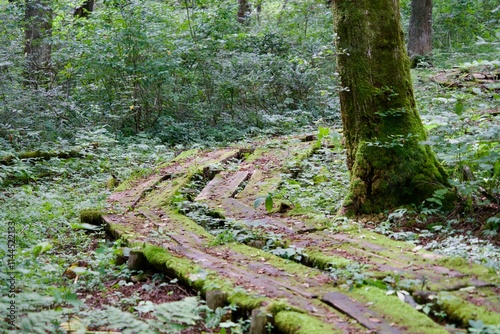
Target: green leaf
[[323, 132], [41, 248], [269, 203], [84, 226], [72, 299], [258, 201], [459, 107]]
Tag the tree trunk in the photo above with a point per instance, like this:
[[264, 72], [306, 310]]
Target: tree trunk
[[420, 31], [388, 167], [38, 34], [84, 9], [243, 9]]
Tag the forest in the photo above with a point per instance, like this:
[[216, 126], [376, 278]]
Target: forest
[[236, 166]]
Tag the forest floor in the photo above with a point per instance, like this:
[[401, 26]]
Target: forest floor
[[72, 269]]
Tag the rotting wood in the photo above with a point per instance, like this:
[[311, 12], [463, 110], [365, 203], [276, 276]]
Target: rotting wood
[[137, 260], [360, 313], [39, 155], [259, 321], [152, 220], [216, 298]]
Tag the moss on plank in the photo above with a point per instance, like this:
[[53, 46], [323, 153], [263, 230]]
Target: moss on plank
[[461, 312], [119, 231], [190, 225], [317, 259], [290, 266], [134, 179], [165, 192], [291, 322], [471, 269], [198, 278], [91, 216], [243, 300], [185, 154]]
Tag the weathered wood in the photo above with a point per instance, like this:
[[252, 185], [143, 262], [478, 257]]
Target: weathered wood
[[137, 260], [362, 314], [223, 185], [259, 321], [152, 221], [215, 299]]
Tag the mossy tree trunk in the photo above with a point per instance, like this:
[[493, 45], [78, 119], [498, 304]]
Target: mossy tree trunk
[[388, 167], [420, 31]]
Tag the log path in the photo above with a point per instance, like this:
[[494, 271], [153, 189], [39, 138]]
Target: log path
[[144, 214]]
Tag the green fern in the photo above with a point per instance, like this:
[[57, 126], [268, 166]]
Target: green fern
[[125, 322], [175, 316]]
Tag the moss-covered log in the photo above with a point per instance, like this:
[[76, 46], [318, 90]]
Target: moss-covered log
[[382, 127], [39, 155]]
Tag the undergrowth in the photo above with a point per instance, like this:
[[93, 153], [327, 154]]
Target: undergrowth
[[43, 198]]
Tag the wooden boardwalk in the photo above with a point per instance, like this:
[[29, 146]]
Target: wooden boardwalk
[[303, 296]]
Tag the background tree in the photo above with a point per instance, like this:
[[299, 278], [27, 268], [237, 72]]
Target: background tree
[[243, 10], [38, 34], [420, 31], [388, 167], [84, 9]]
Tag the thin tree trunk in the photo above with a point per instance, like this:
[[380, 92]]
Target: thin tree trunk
[[85, 9], [38, 34], [243, 7], [388, 167], [420, 31]]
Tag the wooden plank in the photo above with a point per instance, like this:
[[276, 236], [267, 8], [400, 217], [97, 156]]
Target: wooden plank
[[223, 185], [362, 314]]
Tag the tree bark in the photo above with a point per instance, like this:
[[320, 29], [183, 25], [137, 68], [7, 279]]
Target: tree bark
[[388, 167], [243, 10], [38, 34], [420, 31]]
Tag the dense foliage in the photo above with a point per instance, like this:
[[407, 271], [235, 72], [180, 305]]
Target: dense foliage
[[183, 72]]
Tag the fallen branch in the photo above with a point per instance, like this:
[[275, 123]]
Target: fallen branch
[[39, 155]]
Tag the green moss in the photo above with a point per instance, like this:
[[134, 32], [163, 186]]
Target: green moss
[[461, 312], [260, 185], [119, 231], [134, 178], [245, 301], [299, 323], [198, 278], [190, 225], [453, 262], [318, 259], [165, 191], [471, 269], [112, 183], [397, 311], [91, 216], [288, 265], [281, 305], [185, 154], [257, 153], [163, 260]]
